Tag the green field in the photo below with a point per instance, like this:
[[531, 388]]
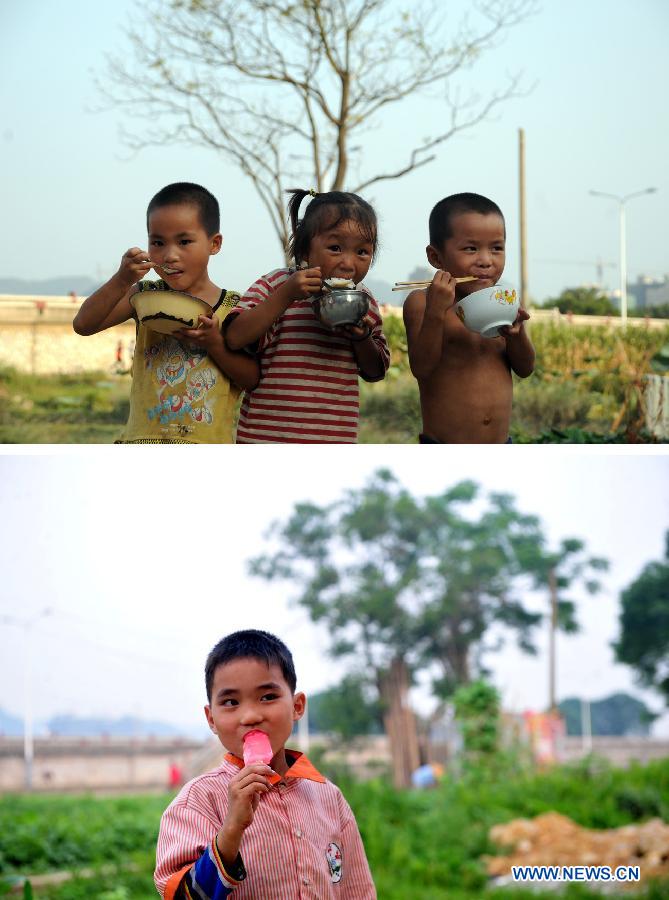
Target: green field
[[587, 387], [426, 845], [62, 409]]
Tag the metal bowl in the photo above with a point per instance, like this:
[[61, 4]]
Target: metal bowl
[[341, 307]]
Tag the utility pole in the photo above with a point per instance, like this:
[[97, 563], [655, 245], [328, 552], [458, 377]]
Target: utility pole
[[523, 224], [28, 743], [552, 586]]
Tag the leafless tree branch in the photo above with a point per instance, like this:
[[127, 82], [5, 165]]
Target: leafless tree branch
[[288, 89]]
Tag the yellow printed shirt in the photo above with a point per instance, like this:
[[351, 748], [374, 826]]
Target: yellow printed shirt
[[178, 394]]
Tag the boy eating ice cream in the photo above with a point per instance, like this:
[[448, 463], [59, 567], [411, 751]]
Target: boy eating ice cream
[[251, 830]]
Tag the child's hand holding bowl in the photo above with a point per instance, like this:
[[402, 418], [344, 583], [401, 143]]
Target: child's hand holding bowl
[[207, 334], [513, 330], [356, 333]]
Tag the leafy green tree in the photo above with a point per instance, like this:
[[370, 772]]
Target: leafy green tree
[[397, 578], [406, 585], [583, 301], [347, 709], [660, 311], [355, 562], [477, 709], [620, 714], [644, 625], [469, 579]]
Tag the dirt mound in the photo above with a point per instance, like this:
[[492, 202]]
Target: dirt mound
[[555, 840]]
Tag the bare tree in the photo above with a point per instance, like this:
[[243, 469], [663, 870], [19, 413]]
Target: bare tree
[[287, 90]]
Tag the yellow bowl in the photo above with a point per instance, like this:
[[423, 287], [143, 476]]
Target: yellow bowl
[[168, 311]]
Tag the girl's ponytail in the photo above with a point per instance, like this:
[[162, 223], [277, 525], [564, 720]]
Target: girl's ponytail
[[298, 195], [326, 210]]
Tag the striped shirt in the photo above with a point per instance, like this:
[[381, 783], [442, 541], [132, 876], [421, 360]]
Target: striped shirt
[[308, 389], [303, 843]]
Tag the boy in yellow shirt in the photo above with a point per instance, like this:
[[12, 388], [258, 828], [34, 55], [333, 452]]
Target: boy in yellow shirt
[[186, 384]]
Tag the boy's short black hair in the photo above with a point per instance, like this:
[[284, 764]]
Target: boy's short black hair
[[193, 194], [443, 213], [251, 644]]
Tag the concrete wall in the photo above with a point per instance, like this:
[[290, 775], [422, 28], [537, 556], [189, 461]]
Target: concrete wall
[[36, 336], [62, 764], [121, 764], [567, 319], [366, 755], [620, 751], [554, 315]]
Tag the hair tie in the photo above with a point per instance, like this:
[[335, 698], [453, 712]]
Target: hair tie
[[312, 192]]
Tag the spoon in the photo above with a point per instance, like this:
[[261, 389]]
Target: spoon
[[167, 269]]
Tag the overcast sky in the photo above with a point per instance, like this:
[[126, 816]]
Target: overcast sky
[[596, 76], [141, 558]]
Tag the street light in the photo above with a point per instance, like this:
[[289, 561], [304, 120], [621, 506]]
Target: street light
[[623, 259], [28, 750]]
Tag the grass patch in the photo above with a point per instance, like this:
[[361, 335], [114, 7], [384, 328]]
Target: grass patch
[[423, 844], [390, 410], [588, 387], [48, 833], [437, 838], [84, 408]]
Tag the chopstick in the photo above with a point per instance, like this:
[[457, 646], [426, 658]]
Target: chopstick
[[408, 285]]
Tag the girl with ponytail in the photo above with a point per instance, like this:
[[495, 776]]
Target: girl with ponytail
[[308, 389]]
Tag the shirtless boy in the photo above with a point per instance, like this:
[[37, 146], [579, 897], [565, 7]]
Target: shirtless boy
[[464, 379]]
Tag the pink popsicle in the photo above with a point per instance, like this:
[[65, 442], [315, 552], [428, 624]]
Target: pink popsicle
[[257, 748]]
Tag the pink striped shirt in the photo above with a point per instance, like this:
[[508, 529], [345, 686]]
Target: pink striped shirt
[[308, 390], [303, 843]]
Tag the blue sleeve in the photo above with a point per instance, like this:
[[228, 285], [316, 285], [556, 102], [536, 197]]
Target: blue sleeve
[[208, 877]]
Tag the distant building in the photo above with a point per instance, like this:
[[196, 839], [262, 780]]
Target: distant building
[[644, 293]]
